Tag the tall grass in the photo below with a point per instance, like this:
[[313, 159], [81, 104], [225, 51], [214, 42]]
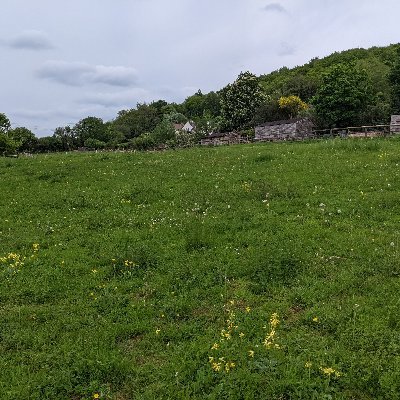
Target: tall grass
[[166, 275]]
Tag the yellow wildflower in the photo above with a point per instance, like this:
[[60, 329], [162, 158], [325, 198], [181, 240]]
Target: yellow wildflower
[[241, 334], [329, 371], [35, 247], [251, 353], [248, 309], [315, 319], [215, 346], [216, 366], [274, 320], [96, 396], [229, 365], [308, 364], [158, 331]]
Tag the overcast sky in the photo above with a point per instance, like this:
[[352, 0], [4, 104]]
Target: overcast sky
[[65, 60]]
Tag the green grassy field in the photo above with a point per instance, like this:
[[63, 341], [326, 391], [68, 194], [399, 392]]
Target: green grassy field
[[265, 271]]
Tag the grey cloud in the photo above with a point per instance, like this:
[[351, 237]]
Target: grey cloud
[[286, 49], [275, 7], [30, 40], [80, 74]]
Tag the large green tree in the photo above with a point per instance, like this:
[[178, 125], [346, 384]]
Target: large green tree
[[23, 137], [394, 78], [66, 136], [90, 128], [200, 105], [240, 100], [343, 96], [7, 145], [4, 123], [132, 123]]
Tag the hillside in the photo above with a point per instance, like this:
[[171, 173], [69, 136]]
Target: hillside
[[265, 271], [304, 80]]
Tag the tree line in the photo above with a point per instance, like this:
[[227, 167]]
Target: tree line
[[350, 88]]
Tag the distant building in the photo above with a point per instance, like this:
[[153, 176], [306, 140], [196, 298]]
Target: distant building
[[395, 124], [189, 126], [297, 128], [178, 127]]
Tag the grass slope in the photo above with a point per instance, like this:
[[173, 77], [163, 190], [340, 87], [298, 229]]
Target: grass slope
[[266, 271]]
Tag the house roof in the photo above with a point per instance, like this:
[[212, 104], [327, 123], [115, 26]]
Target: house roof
[[178, 127]]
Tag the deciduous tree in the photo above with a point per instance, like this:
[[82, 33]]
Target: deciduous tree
[[90, 127], [343, 96], [23, 137], [394, 78], [240, 99], [292, 106], [4, 123]]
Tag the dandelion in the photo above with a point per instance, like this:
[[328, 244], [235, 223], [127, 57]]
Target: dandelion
[[96, 395], [315, 319]]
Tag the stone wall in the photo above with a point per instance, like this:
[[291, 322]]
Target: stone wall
[[282, 130], [395, 124], [217, 139]]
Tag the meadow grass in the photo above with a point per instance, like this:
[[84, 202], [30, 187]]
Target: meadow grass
[[260, 271]]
